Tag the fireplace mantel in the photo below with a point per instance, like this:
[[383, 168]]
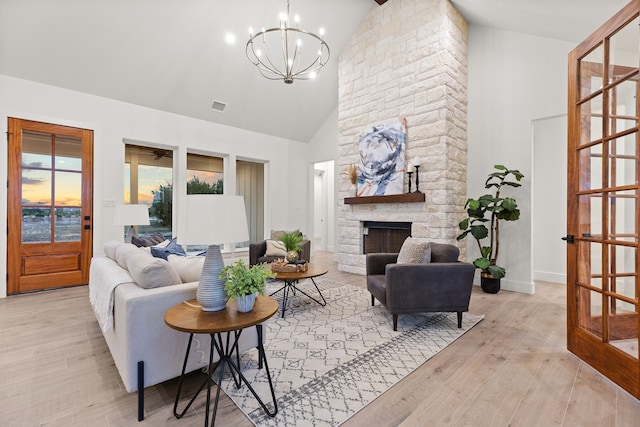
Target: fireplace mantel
[[393, 198]]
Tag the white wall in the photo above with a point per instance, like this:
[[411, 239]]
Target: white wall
[[323, 147], [113, 121], [549, 200], [513, 79]]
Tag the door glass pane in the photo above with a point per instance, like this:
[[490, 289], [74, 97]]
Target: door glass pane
[[591, 120], [36, 225], [623, 50], [204, 174], [590, 206], [68, 188], [622, 265], [36, 149], [67, 227], [36, 187], [590, 311], [590, 164], [591, 72], [623, 161], [68, 153], [622, 106], [622, 216], [623, 326], [590, 265]]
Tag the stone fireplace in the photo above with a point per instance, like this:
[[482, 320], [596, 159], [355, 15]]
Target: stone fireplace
[[406, 60]]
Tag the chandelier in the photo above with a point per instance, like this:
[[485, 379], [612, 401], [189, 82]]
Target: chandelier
[[278, 52]]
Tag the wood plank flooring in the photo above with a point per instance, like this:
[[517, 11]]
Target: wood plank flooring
[[512, 369]]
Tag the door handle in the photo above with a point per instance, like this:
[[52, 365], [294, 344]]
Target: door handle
[[568, 238]]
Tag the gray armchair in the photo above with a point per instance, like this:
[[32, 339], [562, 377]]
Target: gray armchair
[[444, 284], [257, 252]]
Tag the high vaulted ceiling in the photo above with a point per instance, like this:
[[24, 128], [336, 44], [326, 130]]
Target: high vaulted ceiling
[[171, 55]]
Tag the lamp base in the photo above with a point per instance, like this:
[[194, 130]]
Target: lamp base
[[210, 293]]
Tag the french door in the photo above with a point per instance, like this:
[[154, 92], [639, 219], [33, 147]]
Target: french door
[[49, 208], [603, 213]]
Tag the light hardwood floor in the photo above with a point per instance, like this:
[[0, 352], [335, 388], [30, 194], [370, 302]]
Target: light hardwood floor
[[512, 369]]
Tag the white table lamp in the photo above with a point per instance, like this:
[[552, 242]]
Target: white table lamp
[[212, 219], [131, 215]]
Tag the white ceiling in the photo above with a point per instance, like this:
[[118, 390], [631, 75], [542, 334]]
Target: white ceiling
[[171, 55]]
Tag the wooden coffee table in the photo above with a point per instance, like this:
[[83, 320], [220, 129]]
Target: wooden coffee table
[[291, 279], [189, 317]]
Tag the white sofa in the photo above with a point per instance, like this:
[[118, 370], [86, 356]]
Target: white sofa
[[145, 350]]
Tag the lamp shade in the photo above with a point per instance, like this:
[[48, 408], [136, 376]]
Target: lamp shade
[[131, 215], [212, 219]]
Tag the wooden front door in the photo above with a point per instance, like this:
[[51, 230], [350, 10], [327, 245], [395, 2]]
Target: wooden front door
[[603, 213], [49, 208]]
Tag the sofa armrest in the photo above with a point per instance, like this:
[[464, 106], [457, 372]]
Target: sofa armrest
[[305, 252], [444, 285], [256, 250], [376, 262]]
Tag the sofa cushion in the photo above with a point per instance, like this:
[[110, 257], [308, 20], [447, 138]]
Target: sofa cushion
[[275, 248], [150, 272], [414, 251], [189, 268], [110, 248], [173, 248], [123, 252]]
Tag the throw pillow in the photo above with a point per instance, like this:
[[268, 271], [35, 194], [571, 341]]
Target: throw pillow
[[189, 268], [275, 248], [110, 248], [173, 248], [150, 272], [413, 251], [426, 259], [122, 253], [142, 242]]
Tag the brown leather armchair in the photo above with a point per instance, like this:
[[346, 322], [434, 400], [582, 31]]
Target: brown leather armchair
[[257, 252], [444, 284]]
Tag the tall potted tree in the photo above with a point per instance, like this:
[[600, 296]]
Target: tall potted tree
[[491, 208]]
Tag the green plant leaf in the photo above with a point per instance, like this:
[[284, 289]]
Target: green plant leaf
[[479, 232], [464, 224], [496, 271], [481, 263], [486, 251]]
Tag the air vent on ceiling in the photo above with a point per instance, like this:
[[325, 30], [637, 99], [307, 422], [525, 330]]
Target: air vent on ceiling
[[218, 106]]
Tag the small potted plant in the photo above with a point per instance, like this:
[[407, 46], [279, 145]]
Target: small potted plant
[[291, 242], [243, 283], [498, 209]]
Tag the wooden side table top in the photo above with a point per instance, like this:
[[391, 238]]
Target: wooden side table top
[[189, 317], [313, 270]]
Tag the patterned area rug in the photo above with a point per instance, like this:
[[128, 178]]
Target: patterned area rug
[[328, 362]]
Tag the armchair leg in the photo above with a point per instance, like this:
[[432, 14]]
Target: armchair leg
[[373, 300], [395, 322], [459, 319]]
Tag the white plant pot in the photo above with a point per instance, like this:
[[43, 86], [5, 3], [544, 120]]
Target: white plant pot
[[245, 303]]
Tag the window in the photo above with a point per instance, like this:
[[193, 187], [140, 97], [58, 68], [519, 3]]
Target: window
[[250, 184], [204, 174], [148, 180]]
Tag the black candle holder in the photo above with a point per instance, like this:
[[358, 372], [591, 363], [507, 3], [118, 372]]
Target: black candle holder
[[417, 181], [409, 173]]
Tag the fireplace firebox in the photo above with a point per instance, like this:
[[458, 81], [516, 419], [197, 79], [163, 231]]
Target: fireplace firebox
[[384, 236]]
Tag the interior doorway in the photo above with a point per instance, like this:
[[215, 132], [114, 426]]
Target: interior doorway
[[323, 207]]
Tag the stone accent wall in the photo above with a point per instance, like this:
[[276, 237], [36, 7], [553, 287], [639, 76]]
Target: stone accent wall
[[408, 59]]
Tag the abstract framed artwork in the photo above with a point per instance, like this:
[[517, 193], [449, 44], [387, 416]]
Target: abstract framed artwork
[[382, 159]]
